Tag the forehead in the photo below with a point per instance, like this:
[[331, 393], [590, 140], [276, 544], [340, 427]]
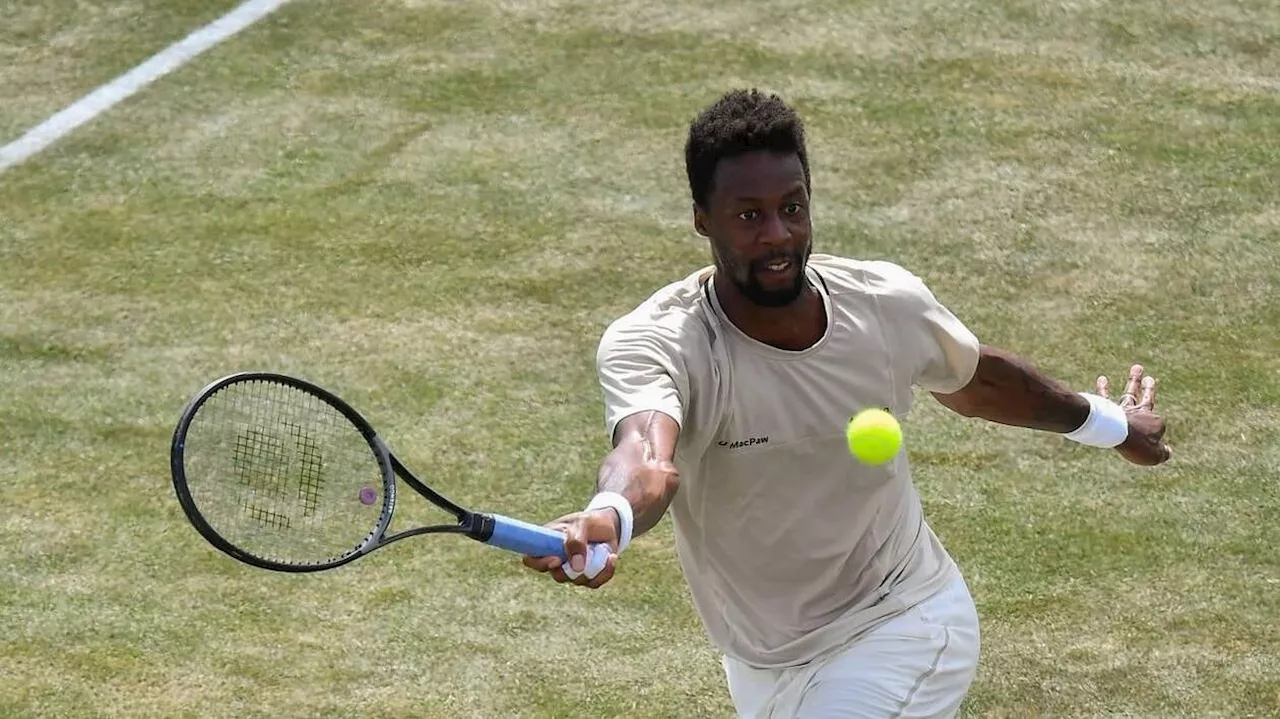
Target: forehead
[[757, 175]]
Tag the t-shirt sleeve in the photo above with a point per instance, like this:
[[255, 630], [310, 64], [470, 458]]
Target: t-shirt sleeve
[[640, 369], [942, 351]]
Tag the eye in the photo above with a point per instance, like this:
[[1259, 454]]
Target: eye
[[748, 215], [793, 208]]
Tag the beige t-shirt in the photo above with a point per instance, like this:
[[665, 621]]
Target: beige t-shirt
[[791, 547]]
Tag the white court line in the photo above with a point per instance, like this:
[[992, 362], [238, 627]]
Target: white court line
[[103, 98]]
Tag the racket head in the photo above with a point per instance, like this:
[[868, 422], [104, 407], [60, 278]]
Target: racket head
[[281, 474]]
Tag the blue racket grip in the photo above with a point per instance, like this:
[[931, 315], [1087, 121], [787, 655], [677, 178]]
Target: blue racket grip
[[525, 538]]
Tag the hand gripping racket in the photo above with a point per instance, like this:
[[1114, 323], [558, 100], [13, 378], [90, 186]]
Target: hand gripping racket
[[281, 474]]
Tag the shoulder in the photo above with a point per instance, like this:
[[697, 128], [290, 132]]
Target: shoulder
[[670, 320], [880, 278]]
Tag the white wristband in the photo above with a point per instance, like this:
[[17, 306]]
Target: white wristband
[[618, 503], [1107, 425]]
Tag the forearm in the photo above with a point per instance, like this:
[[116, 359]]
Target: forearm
[[647, 484], [1009, 390]]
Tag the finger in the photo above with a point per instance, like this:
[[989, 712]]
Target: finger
[[605, 574], [1102, 386], [541, 564], [1161, 454], [1131, 388], [1158, 435], [575, 546], [1148, 398]]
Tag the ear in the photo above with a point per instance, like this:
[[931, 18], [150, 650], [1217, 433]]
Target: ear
[[699, 221]]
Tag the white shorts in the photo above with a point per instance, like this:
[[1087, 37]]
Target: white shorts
[[917, 665]]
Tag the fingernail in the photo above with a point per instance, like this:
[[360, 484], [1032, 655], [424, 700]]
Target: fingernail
[[578, 562]]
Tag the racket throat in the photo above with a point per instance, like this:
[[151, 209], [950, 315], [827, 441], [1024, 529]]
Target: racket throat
[[479, 526]]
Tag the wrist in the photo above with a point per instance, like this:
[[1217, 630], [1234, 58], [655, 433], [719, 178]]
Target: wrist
[[1107, 425], [620, 505]]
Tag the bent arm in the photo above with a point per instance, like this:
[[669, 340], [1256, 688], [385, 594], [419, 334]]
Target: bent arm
[[641, 466], [1008, 389]]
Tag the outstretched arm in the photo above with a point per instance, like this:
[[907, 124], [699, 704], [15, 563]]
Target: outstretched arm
[[1009, 390]]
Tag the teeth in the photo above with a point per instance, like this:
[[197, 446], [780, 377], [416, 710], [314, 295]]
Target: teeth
[[779, 265]]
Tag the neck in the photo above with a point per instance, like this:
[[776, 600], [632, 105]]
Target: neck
[[794, 327]]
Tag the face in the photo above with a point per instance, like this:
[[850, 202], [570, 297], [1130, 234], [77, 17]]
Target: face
[[757, 218]]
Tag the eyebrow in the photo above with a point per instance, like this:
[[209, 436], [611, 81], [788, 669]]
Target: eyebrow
[[748, 198]]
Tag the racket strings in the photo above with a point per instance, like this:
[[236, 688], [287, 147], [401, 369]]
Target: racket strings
[[281, 474]]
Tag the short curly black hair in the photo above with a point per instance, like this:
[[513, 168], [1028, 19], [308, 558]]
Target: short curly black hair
[[741, 121]]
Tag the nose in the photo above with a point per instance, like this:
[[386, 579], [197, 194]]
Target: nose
[[775, 230]]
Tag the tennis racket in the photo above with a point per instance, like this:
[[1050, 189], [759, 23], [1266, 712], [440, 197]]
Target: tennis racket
[[281, 474]]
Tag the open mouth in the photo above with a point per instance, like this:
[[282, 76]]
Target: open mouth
[[776, 267]]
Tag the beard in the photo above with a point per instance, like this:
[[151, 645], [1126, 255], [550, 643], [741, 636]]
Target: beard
[[758, 294]]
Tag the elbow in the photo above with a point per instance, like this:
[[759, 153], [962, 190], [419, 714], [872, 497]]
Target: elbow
[[984, 388], [962, 403], [654, 484], [645, 480], [664, 482]]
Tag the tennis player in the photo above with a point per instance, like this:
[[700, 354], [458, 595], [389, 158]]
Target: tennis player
[[726, 398]]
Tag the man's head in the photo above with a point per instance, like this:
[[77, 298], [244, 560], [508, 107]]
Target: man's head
[[749, 176]]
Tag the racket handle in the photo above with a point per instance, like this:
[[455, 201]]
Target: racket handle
[[535, 541]]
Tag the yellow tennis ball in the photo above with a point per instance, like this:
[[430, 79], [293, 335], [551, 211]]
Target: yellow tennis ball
[[874, 436]]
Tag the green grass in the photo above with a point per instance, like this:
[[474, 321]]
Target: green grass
[[434, 208]]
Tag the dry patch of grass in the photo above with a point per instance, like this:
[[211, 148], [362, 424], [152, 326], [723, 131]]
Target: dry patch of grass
[[434, 209]]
